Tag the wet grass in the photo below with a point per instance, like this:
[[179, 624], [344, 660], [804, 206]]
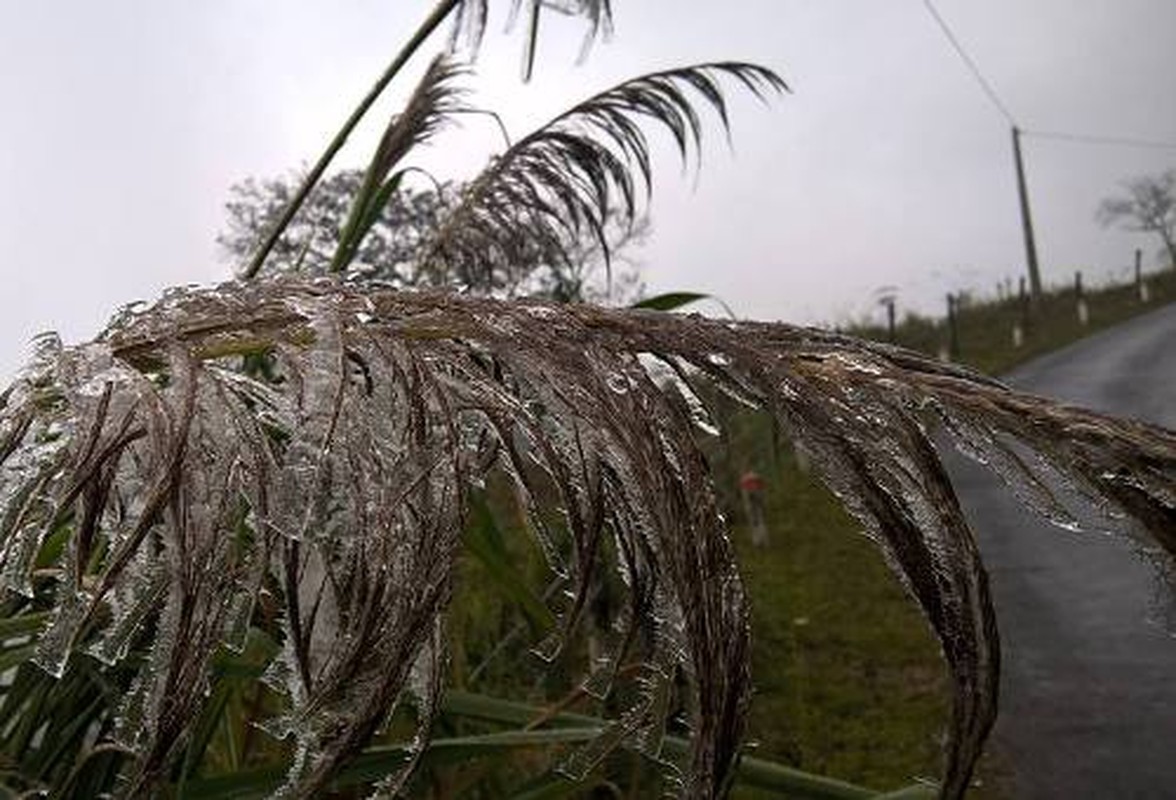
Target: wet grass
[[849, 682]]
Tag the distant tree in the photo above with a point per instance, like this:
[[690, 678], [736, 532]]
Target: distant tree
[[309, 243], [392, 249], [1149, 206]]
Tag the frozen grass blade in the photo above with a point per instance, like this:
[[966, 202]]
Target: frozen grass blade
[[335, 496]]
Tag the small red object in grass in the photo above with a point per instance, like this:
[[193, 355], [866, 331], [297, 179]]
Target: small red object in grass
[[751, 482]]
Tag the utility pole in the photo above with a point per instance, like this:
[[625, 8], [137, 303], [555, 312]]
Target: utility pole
[[1027, 225]]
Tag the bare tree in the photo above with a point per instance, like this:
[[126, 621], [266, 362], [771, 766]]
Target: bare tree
[[308, 244], [1149, 207], [388, 251]]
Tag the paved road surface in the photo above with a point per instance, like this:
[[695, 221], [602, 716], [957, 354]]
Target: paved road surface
[[1088, 707]]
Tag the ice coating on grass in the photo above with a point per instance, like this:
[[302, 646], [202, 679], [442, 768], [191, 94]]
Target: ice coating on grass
[[668, 375], [321, 492]]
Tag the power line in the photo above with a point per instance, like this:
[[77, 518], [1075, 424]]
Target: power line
[[967, 59], [986, 86], [1084, 138]]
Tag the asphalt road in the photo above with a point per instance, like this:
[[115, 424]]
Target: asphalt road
[[1088, 706]]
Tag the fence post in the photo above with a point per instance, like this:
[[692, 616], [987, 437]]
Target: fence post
[[1023, 303], [1141, 291], [1080, 300], [953, 346], [890, 318]]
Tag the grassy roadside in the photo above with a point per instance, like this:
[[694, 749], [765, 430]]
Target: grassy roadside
[[848, 677], [850, 682], [984, 328]]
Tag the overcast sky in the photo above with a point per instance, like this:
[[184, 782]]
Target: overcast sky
[[124, 122]]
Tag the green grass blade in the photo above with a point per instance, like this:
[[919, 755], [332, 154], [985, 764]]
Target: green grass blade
[[16, 656], [376, 763], [375, 207], [507, 712], [438, 15], [669, 301], [921, 791], [23, 625], [484, 541], [756, 772], [791, 782]]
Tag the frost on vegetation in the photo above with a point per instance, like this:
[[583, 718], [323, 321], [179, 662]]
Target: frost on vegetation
[[328, 491]]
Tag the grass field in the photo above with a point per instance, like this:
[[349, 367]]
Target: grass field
[[848, 677]]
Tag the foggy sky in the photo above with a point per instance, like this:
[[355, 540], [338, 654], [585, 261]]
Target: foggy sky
[[124, 122]]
